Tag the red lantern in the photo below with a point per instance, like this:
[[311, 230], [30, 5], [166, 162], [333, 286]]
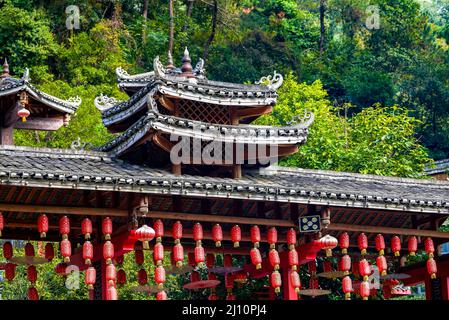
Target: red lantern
[[272, 237], [111, 274], [191, 259], [229, 281], [328, 243], [312, 267], [432, 268], [212, 297], [29, 250], [86, 228], [293, 259], [158, 253], [161, 295], [412, 245], [211, 276], [60, 268], [210, 260], [177, 231], [274, 259], [178, 255], [343, 241], [380, 244], [240, 277], [347, 287], [231, 297], [382, 265], [276, 281], [2, 223], [142, 277], [10, 271], [33, 295], [111, 293], [362, 242], [90, 278], [295, 281], [236, 235], [146, 234], [121, 277], [120, 259], [106, 228], [256, 258], [255, 236], [199, 256], [139, 257], [227, 260], [49, 251], [194, 276], [396, 246], [23, 113], [364, 269], [364, 290], [197, 233], [429, 247], [88, 252], [345, 264], [66, 250], [7, 250], [313, 283], [291, 238], [32, 274], [108, 251], [159, 276], [158, 230], [217, 235], [64, 227], [42, 225]]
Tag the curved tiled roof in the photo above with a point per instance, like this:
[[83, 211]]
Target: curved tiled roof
[[438, 167]]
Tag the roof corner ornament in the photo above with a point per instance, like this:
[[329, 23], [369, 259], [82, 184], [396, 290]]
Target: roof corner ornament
[[273, 82], [103, 102], [199, 69], [75, 101], [121, 73], [26, 75], [158, 67], [302, 120], [78, 145]]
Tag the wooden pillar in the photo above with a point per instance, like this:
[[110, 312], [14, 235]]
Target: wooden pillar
[[176, 169], [445, 287], [288, 290], [6, 136], [237, 171]]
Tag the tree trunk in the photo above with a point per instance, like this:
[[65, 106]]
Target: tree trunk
[[213, 31], [172, 27], [145, 9], [322, 26]]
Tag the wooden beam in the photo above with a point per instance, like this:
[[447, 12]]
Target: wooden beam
[[388, 230], [112, 212], [47, 124]]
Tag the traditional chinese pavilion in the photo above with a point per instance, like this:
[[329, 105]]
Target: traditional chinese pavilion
[[150, 189]]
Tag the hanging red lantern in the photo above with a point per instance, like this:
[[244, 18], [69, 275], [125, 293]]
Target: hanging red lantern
[[212, 297], [199, 256], [381, 262], [256, 258], [120, 259], [177, 231], [159, 276], [429, 247], [274, 259], [345, 264], [49, 251], [64, 227], [158, 227], [255, 236], [88, 252], [86, 228], [146, 234], [42, 225], [121, 277], [29, 250], [158, 253], [240, 277], [161, 295], [210, 260], [362, 242], [364, 290], [61, 268], [364, 269], [108, 251], [272, 237], [328, 243], [355, 269], [396, 246], [106, 228], [10, 271], [66, 249], [139, 257], [311, 265], [32, 274], [191, 259], [142, 277], [111, 274], [217, 235], [291, 238], [198, 233], [227, 261], [380, 244], [432, 268], [195, 276], [211, 276], [2, 223], [23, 113], [327, 266], [293, 259], [343, 241], [276, 281], [412, 245], [90, 278], [347, 287], [111, 293], [33, 295], [236, 235], [231, 297], [7, 250], [178, 255], [229, 283], [295, 281]]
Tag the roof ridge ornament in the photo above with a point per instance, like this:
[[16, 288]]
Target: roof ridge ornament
[[26, 75], [170, 65], [273, 82], [159, 69], [103, 102], [186, 67], [305, 119], [199, 70], [5, 69]]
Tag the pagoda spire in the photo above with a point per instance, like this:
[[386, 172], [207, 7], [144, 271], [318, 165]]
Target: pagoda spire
[[5, 72], [170, 61], [186, 65]]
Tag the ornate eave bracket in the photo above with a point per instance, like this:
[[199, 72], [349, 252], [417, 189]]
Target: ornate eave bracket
[[103, 102], [273, 82]]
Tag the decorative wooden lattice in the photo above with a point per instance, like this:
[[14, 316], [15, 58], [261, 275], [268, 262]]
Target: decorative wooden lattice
[[205, 112]]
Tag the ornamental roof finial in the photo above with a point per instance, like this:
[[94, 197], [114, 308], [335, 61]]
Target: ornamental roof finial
[[5, 69], [186, 65], [170, 61]]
